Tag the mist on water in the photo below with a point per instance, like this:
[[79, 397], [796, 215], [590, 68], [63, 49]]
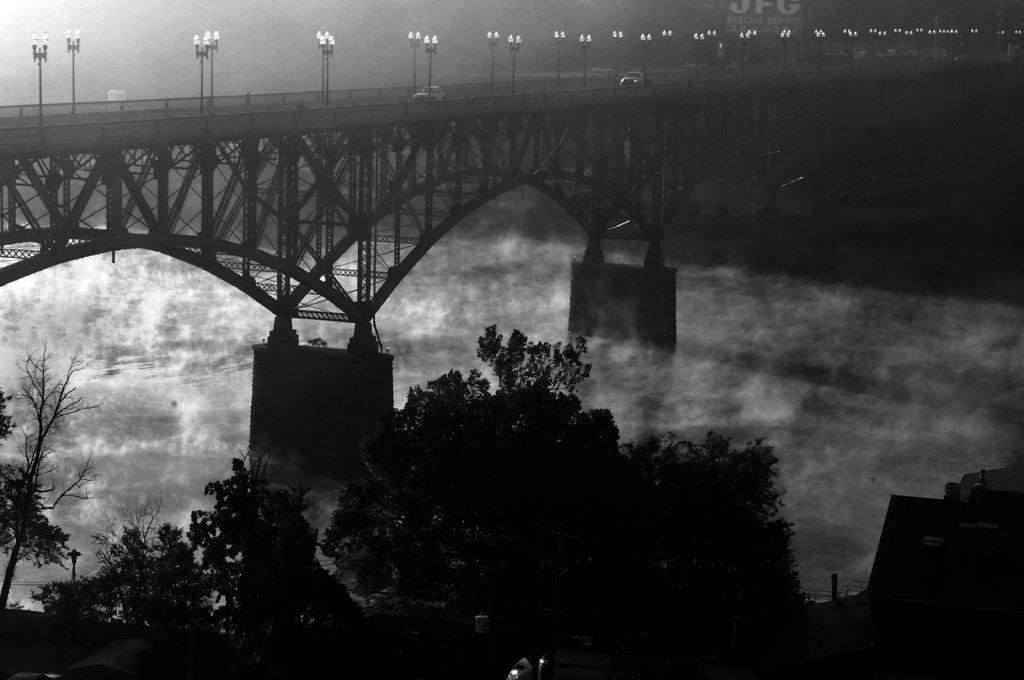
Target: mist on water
[[864, 392]]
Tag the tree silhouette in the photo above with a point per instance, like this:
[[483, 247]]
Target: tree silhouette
[[34, 483], [278, 604], [519, 501]]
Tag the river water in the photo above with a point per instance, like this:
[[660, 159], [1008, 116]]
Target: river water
[[864, 392]]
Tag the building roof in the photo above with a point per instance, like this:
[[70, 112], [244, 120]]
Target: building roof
[[952, 553], [999, 479]]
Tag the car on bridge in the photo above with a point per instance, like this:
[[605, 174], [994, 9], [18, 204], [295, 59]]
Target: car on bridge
[[430, 92], [634, 78]]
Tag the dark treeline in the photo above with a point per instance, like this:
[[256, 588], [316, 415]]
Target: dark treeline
[[514, 501]]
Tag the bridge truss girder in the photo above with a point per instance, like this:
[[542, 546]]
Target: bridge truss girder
[[326, 224]]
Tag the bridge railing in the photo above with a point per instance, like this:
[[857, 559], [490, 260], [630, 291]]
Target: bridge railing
[[277, 114], [27, 114]]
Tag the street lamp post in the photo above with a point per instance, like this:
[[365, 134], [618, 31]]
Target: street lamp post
[[211, 41], [39, 49], [326, 42], [74, 555], [744, 50], [202, 51], [645, 43], [698, 40], [851, 35], [430, 46], [819, 37], [492, 39], [74, 43], [666, 36], [414, 41], [513, 47], [616, 38], [585, 41], [559, 41], [784, 36], [713, 42]]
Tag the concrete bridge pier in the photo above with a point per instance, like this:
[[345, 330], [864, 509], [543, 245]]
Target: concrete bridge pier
[[311, 406], [624, 301]]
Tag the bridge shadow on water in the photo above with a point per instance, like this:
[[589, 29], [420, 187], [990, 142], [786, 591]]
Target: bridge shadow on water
[[946, 255]]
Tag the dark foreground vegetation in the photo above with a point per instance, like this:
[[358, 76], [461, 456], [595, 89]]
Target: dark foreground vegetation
[[509, 500]]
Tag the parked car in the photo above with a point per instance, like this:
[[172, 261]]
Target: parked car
[[521, 671], [634, 78], [430, 92], [579, 657]]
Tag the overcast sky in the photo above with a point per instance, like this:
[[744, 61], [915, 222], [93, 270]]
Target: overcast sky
[[145, 46]]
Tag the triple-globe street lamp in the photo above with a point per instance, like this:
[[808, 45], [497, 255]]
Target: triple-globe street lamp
[[492, 39], [559, 41], [415, 39], [666, 36], [713, 42], [430, 47], [74, 43], [745, 43], [326, 42], [645, 43], [39, 50], [698, 40], [514, 44], [784, 35], [616, 38], [585, 42], [205, 47], [851, 35], [819, 37]]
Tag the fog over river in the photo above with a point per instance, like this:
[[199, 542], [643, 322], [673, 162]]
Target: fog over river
[[864, 392]]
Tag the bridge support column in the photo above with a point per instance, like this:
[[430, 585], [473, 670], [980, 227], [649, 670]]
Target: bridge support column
[[362, 340], [594, 254], [623, 302], [283, 334], [311, 406]]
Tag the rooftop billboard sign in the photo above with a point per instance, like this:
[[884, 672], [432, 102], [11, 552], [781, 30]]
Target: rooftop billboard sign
[[767, 17]]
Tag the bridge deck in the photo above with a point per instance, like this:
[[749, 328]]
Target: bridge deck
[[163, 125]]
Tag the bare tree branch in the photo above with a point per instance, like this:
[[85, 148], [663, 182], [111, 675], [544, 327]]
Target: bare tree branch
[[51, 399]]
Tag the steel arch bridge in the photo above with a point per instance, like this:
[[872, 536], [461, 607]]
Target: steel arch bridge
[[320, 213]]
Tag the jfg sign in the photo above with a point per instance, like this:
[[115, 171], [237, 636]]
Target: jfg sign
[[765, 16]]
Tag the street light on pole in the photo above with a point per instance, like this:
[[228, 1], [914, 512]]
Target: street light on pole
[[645, 43], [698, 40], [74, 43], [819, 36], [513, 47], [492, 38], [585, 41], [39, 50], [211, 41], [559, 41], [784, 36], [430, 46], [744, 50], [415, 39], [202, 51], [616, 38], [326, 42], [666, 36], [713, 41], [74, 555]]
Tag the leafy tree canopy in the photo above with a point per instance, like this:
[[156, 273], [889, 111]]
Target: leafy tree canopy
[[259, 556], [476, 499], [147, 575]]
